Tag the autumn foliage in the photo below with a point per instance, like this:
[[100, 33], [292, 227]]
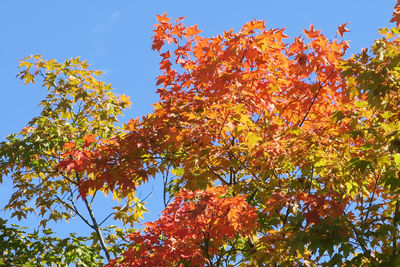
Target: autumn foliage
[[301, 139], [206, 219], [273, 150], [230, 98]]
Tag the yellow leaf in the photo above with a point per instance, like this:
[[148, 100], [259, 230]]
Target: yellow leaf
[[252, 139]]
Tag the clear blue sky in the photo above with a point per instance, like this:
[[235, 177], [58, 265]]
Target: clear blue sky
[[115, 36]]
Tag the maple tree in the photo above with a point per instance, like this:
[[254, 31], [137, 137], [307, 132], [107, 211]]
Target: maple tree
[[273, 151], [249, 111], [78, 109], [19, 248]]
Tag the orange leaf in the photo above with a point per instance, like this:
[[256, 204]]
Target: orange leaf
[[190, 31], [311, 33], [69, 145], [89, 139], [163, 18], [396, 14], [342, 29]]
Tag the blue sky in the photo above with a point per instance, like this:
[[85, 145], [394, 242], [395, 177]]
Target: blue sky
[[115, 36]]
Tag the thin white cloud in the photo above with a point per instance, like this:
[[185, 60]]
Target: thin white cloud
[[100, 28], [115, 15], [101, 50], [107, 24]]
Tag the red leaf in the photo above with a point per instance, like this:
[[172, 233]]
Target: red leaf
[[342, 29], [396, 14], [157, 44]]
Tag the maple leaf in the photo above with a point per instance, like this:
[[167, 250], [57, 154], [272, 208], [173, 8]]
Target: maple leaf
[[125, 99], [89, 139], [157, 44], [396, 14], [312, 217], [342, 29], [311, 33], [190, 31], [69, 145], [163, 18], [67, 165]]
